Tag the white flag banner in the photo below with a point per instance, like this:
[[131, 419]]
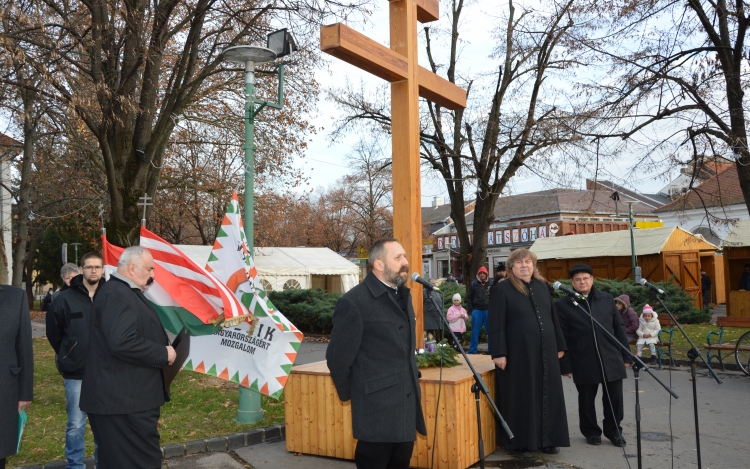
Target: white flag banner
[[258, 356]]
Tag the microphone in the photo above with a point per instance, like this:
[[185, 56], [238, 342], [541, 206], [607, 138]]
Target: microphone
[[416, 278], [645, 283], [561, 287]]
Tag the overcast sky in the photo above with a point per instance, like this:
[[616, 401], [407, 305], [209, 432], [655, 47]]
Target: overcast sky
[[325, 162]]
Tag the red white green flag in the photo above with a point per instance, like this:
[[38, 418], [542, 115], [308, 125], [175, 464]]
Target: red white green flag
[[183, 293], [256, 354]]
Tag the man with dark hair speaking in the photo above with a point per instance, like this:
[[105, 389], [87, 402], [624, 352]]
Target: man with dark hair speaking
[[123, 385], [592, 358], [68, 322], [372, 363]]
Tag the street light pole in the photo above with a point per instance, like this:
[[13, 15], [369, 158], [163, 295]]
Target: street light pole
[[250, 410], [75, 245]]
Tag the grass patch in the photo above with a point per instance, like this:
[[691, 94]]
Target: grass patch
[[202, 406]]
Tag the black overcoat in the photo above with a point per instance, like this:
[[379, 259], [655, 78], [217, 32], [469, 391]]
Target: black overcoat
[[127, 350], [529, 391], [582, 359], [371, 360], [16, 364]]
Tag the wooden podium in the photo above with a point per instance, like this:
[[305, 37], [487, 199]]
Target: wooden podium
[[318, 423]]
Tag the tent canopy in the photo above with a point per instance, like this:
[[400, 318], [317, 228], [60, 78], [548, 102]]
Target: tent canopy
[[613, 244], [739, 236]]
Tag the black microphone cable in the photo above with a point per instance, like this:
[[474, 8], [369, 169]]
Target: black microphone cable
[[604, 377]]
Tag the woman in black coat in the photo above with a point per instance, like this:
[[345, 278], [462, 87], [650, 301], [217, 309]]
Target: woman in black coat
[[16, 366], [526, 343]]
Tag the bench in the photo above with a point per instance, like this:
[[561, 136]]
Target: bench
[[720, 346], [667, 328]]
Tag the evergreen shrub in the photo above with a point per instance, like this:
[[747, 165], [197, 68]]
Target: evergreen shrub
[[677, 300], [311, 311]]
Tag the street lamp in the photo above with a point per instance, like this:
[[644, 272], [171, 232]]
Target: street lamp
[[280, 43], [75, 245]]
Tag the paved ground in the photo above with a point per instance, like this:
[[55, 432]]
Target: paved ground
[[723, 413]]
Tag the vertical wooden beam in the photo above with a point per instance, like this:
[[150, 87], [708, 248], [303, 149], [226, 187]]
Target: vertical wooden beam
[[407, 197]]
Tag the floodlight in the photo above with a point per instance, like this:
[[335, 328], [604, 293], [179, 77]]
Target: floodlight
[[281, 42]]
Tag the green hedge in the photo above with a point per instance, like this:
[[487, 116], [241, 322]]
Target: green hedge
[[310, 311], [678, 301]]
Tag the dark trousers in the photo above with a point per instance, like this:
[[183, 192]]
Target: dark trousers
[[2, 463], [127, 440], [587, 409], [369, 455]]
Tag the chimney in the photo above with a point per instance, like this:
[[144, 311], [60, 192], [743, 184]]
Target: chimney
[[437, 202]]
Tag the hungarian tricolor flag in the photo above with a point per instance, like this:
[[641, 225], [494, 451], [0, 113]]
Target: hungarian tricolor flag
[[183, 293]]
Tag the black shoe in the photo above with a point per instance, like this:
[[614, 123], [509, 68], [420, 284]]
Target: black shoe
[[550, 449], [618, 441], [523, 453], [594, 440], [653, 359]]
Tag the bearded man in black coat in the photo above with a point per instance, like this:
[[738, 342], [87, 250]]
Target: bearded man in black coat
[[592, 358], [372, 363]]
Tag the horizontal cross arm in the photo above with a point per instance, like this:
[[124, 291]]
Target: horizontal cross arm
[[357, 49], [427, 10]]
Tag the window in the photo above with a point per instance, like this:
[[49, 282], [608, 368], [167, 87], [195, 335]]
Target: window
[[266, 285], [292, 284]]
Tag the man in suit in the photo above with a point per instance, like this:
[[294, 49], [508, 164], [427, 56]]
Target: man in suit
[[123, 384], [68, 332], [16, 366], [372, 363], [592, 358]]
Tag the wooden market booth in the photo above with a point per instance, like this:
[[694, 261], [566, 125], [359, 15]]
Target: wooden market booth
[[736, 255], [662, 253]]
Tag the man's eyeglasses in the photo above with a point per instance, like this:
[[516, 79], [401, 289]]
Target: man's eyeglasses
[[582, 279], [93, 267]]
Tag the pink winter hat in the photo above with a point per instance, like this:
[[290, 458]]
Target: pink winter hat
[[648, 309]]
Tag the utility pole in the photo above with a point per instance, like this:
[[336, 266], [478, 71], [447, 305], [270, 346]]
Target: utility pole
[[632, 240]]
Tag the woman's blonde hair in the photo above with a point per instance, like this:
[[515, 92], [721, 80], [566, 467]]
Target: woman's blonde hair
[[517, 256]]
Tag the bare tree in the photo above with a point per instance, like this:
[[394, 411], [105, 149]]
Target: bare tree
[[673, 81], [130, 70], [523, 117]]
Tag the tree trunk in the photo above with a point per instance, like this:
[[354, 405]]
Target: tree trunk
[[29, 137], [28, 274]]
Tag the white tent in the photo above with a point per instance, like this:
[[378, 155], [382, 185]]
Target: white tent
[[284, 268]]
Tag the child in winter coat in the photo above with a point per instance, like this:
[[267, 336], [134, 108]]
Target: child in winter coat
[[648, 331], [457, 316]]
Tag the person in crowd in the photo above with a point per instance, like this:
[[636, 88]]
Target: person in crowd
[[500, 274], [68, 322], [705, 288], [433, 318], [745, 279], [648, 331], [457, 317], [67, 272], [527, 343], [372, 362], [629, 316], [47, 300], [123, 382], [451, 279], [593, 359], [17, 363], [478, 301]]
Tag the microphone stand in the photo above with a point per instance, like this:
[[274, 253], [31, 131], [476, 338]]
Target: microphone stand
[[692, 354], [637, 366], [478, 386]]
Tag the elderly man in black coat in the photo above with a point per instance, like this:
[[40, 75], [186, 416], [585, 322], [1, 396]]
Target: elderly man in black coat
[[371, 360], [123, 384], [592, 357], [16, 366]]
